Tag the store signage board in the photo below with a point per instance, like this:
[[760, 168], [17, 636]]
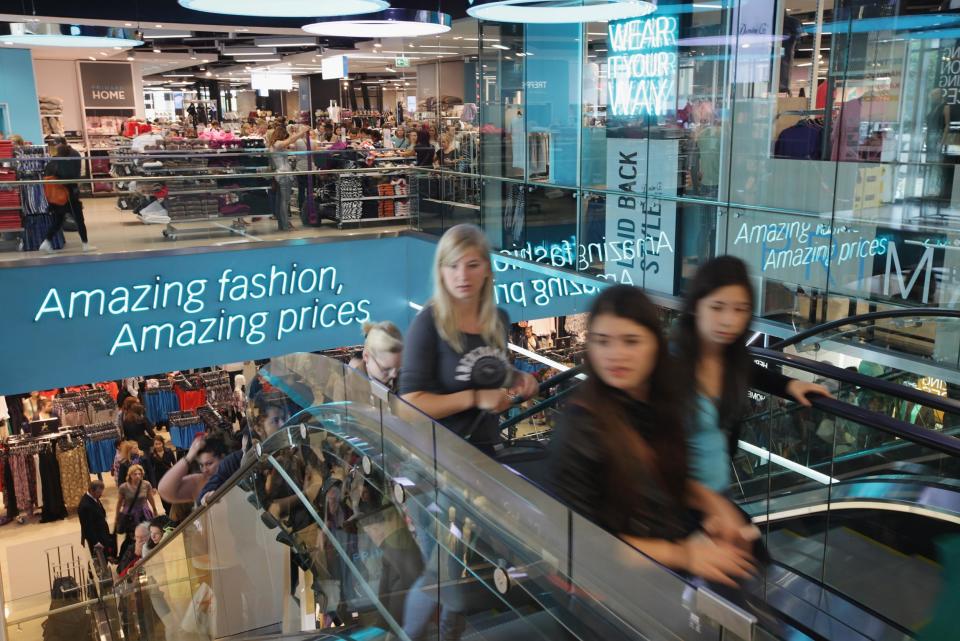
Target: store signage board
[[93, 320], [107, 85], [640, 225], [401, 61], [334, 67], [642, 64]]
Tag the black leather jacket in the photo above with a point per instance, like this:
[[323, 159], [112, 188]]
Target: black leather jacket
[[580, 476]]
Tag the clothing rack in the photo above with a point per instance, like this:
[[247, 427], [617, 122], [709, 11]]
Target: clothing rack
[[184, 427]]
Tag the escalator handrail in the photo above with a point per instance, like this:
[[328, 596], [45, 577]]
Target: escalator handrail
[[859, 318], [562, 377], [920, 435], [833, 372]]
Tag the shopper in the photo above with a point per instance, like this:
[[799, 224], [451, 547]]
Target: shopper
[[94, 529], [135, 550], [400, 138], [159, 462], [425, 152], [280, 141], [716, 369], [449, 154], [128, 455], [66, 166], [179, 485], [136, 503], [382, 353], [137, 428], [298, 160], [460, 325], [618, 456]]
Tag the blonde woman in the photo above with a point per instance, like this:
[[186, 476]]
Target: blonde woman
[[137, 501], [382, 353], [460, 325]]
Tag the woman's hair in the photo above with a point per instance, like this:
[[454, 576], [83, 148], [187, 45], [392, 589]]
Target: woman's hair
[[136, 467], [667, 443], [63, 149], [382, 338], [423, 138], [135, 410], [277, 134], [125, 448], [453, 244], [159, 438], [722, 271], [128, 402], [216, 445]]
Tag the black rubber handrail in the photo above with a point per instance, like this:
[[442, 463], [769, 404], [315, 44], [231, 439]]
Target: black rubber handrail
[[903, 392], [910, 312]]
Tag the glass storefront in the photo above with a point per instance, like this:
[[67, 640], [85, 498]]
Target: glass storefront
[[819, 141]]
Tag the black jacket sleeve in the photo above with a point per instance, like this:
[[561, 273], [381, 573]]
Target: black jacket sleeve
[[576, 470]]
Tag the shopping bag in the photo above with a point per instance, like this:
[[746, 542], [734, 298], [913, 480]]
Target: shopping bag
[[56, 193], [200, 612]]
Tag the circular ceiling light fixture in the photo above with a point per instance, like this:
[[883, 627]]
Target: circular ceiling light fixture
[[392, 23], [559, 11], [48, 34], [286, 8]]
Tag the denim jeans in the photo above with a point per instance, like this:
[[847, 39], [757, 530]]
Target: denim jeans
[[281, 201]]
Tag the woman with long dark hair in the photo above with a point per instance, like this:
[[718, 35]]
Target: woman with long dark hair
[[715, 371], [619, 453]]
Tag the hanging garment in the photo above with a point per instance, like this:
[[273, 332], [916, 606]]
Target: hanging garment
[[100, 455], [37, 490], [190, 399], [22, 471], [349, 188], [9, 493], [74, 475], [182, 436], [54, 508], [159, 403]]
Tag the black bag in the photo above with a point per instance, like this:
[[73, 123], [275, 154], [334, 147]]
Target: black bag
[[128, 523]]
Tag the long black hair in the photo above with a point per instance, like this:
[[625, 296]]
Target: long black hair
[[722, 271], [666, 442]]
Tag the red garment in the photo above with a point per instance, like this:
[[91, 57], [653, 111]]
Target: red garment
[[190, 399], [110, 387], [127, 569]]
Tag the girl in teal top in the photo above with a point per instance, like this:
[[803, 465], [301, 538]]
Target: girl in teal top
[[716, 371]]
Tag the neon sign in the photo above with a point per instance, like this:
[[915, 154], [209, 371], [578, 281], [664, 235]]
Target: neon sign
[[642, 75]]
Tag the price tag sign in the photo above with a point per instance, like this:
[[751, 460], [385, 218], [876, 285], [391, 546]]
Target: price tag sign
[[401, 61]]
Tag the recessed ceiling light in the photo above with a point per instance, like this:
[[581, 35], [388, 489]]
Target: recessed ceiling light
[[130, 58], [117, 48], [127, 24], [103, 53], [158, 26], [92, 58], [558, 11], [392, 23], [157, 51], [7, 42], [286, 8]]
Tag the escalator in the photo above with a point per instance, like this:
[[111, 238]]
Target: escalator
[[360, 518]]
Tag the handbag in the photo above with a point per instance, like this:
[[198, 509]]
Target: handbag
[[127, 521], [56, 193]]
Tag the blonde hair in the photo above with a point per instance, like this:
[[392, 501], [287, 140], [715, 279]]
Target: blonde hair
[[125, 448], [382, 338], [135, 468], [457, 241]]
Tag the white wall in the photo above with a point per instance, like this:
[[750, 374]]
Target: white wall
[[246, 102], [58, 79]]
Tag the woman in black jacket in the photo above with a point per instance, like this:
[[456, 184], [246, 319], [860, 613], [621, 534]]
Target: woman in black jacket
[[137, 428], [159, 461], [66, 166], [619, 453]]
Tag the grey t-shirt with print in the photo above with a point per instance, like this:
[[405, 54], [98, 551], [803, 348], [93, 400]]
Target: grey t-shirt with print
[[431, 365]]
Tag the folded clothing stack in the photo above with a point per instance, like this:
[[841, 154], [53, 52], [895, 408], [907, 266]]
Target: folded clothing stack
[[51, 106], [6, 149]]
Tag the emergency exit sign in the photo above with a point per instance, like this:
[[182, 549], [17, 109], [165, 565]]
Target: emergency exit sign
[[401, 61]]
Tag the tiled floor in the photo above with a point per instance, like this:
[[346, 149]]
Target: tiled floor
[[112, 230]]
